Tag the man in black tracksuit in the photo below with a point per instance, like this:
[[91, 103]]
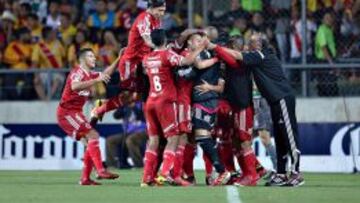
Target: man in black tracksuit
[[275, 88]]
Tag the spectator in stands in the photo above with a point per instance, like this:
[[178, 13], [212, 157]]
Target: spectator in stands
[[35, 27], [8, 21], [325, 51], [252, 5], [109, 48], [67, 30], [49, 53], [126, 14], [325, 44], [102, 18], [240, 28], [281, 10], [80, 42], [18, 56], [53, 18], [296, 37], [131, 141], [25, 10], [257, 21]]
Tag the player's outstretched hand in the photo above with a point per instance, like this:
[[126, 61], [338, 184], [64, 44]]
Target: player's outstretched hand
[[203, 88], [103, 78]]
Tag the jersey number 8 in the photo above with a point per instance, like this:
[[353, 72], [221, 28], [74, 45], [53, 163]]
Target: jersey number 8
[[157, 84]]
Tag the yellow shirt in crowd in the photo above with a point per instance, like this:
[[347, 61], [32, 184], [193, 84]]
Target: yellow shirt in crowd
[[18, 55], [68, 34], [44, 59]]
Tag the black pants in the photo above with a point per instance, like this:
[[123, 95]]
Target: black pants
[[286, 133]]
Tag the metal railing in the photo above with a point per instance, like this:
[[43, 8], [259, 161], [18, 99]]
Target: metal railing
[[310, 80]]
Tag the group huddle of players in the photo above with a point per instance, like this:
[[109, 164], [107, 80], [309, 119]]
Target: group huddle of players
[[199, 93]]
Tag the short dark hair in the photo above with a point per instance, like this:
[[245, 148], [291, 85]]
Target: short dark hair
[[45, 32], [27, 6], [156, 3], [33, 16], [21, 31], [158, 37], [83, 51]]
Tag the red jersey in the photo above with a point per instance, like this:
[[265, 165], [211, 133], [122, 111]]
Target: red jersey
[[184, 86], [75, 100], [158, 65], [144, 24]]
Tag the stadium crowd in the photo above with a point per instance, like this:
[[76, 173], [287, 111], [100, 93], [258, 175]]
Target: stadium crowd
[[48, 34]]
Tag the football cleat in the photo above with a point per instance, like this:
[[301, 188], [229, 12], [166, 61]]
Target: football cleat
[[222, 179], [150, 184], [162, 180], [277, 180], [181, 182], [88, 182], [190, 179], [295, 179], [107, 175], [246, 180]]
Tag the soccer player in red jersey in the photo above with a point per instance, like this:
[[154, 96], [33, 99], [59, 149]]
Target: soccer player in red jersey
[[161, 108], [239, 93], [71, 119], [139, 44]]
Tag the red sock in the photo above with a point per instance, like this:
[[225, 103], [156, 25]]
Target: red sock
[[168, 162], [94, 152], [226, 156], [179, 160], [111, 104], [250, 160], [208, 165], [88, 165], [189, 154], [240, 159], [150, 162]]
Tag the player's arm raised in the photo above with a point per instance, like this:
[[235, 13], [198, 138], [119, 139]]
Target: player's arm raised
[[248, 58], [203, 64], [179, 42], [77, 85], [111, 69], [190, 59]]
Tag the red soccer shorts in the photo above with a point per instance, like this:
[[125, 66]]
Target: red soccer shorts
[[243, 122], [184, 110], [129, 80], [73, 123], [224, 124], [161, 118]]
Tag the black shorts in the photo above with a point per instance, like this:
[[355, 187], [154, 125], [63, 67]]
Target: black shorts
[[204, 115]]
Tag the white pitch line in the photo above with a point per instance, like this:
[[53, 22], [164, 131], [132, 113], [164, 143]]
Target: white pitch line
[[232, 194]]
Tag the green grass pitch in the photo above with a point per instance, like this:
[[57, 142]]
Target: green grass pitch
[[61, 187]]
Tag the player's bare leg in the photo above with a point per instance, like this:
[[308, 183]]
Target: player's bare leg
[[150, 161]]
